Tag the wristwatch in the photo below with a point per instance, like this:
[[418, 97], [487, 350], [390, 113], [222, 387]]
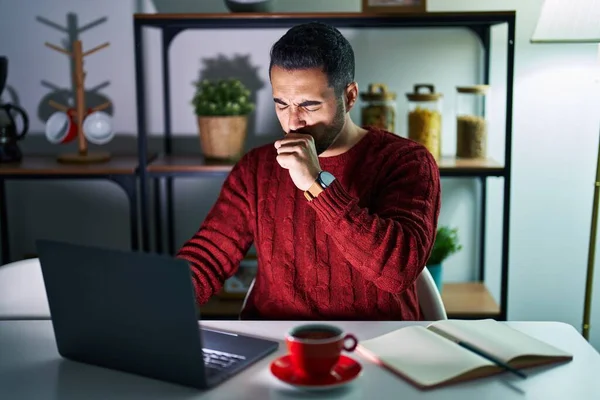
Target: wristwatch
[[324, 179]]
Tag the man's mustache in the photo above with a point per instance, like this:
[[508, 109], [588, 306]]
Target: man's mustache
[[301, 132]]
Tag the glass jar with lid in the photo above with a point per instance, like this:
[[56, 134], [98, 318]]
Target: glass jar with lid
[[471, 121], [425, 118], [379, 108]]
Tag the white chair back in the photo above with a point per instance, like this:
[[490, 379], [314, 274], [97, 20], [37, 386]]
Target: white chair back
[[22, 291], [430, 300]]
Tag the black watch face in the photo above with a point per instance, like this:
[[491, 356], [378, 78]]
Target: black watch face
[[326, 178]]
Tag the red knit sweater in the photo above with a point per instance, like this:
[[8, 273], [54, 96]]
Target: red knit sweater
[[353, 253]]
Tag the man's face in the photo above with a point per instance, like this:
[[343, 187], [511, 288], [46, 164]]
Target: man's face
[[305, 103]]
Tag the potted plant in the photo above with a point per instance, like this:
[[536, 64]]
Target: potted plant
[[446, 243], [222, 109]]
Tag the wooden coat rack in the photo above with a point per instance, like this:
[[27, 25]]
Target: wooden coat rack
[[83, 155]]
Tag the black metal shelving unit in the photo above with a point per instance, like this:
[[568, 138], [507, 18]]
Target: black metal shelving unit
[[169, 166]]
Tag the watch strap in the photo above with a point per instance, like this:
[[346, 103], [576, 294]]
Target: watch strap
[[313, 191]]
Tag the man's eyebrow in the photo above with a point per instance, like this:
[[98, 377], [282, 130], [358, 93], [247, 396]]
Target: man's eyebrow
[[306, 103]]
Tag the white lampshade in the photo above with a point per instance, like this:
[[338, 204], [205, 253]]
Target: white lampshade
[[568, 21]]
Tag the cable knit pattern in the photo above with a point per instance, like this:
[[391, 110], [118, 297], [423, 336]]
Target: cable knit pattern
[[353, 253]]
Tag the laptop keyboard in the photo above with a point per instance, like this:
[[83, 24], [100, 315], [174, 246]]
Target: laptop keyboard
[[218, 360]]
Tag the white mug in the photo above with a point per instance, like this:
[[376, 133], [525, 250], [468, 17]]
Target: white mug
[[98, 127]]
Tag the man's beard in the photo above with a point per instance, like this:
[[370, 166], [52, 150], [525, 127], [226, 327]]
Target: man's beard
[[330, 132]]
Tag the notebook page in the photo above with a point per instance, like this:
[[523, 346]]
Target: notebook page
[[497, 338], [422, 356]]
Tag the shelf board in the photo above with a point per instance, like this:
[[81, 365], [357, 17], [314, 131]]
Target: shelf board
[[452, 166], [348, 19], [469, 299], [47, 165], [461, 300], [186, 164], [217, 307]]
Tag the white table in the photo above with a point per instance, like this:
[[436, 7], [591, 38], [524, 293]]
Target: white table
[[31, 368]]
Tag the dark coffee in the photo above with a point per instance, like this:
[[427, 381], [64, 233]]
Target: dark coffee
[[316, 334]]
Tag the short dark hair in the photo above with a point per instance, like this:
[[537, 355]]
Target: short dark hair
[[316, 45]]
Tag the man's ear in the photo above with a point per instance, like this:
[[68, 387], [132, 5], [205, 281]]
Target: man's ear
[[351, 95]]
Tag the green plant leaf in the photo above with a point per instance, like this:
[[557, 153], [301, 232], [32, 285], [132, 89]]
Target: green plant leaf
[[446, 243], [221, 97]]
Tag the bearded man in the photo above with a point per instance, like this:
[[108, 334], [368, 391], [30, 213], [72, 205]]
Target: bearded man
[[343, 218]]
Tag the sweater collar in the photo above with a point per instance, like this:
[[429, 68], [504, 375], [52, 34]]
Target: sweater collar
[[341, 159]]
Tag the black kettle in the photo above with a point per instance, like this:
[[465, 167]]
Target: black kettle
[[9, 135]]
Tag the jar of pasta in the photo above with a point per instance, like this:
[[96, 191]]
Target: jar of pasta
[[379, 108], [471, 122], [425, 118]]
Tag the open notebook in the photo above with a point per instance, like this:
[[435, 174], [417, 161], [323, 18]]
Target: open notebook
[[428, 357]]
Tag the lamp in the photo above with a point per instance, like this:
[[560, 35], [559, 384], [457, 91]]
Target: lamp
[[575, 21]]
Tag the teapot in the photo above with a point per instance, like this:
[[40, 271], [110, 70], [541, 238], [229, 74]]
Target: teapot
[[9, 135]]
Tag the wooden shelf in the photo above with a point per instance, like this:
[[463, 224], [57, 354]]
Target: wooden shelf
[[469, 299], [451, 166], [48, 165], [219, 308], [461, 300], [186, 164]]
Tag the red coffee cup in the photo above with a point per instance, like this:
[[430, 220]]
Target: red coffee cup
[[315, 349]]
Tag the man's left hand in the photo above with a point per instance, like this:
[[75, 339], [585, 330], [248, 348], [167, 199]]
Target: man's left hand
[[297, 153]]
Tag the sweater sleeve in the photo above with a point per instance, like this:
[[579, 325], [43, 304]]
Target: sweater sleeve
[[215, 251], [390, 243]]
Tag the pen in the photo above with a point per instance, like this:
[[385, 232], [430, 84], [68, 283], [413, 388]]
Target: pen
[[492, 359]]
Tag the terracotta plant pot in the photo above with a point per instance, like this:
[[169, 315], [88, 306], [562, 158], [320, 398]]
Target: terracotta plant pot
[[223, 137]]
